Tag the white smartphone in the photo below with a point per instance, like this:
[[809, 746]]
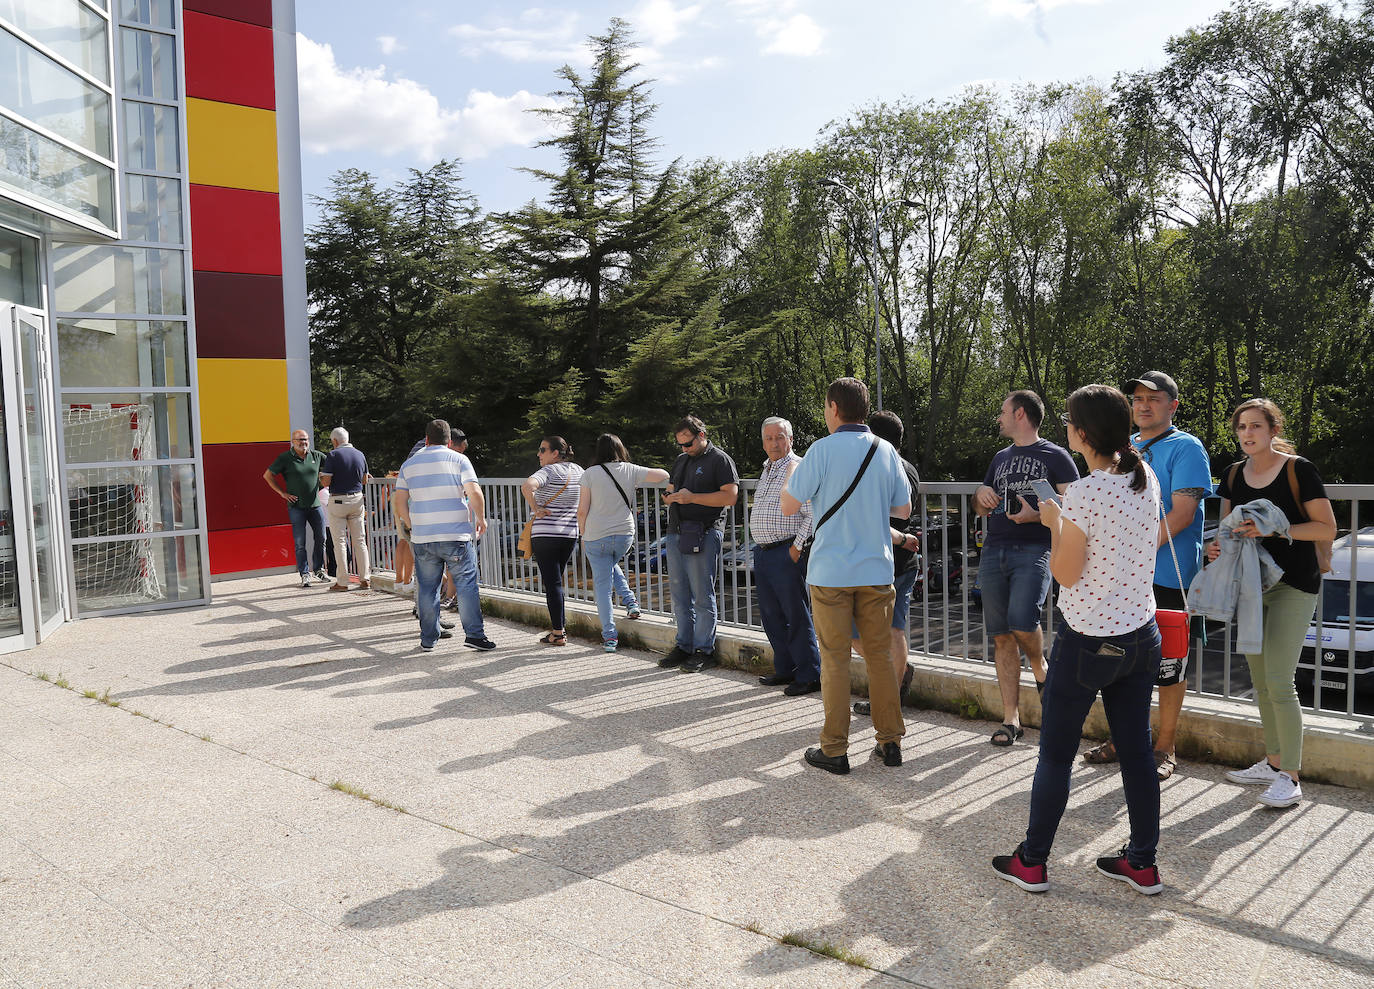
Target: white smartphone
[[1044, 490]]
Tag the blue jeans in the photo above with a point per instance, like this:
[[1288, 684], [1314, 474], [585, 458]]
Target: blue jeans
[[1014, 578], [605, 555], [785, 612], [314, 517], [902, 585], [1077, 672], [461, 558], [692, 586]]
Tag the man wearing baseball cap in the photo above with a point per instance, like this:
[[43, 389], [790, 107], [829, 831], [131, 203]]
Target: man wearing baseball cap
[[1185, 479]]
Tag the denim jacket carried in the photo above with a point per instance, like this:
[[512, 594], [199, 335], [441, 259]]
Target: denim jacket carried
[[1235, 582]]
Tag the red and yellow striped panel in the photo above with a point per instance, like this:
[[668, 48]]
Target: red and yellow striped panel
[[234, 167]]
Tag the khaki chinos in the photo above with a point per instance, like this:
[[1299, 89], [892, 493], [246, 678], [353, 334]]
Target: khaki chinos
[[836, 610], [348, 524]]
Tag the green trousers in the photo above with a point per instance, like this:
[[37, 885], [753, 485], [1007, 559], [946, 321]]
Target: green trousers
[[1287, 616]]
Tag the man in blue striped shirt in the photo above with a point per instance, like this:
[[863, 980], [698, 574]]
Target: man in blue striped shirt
[[439, 500]]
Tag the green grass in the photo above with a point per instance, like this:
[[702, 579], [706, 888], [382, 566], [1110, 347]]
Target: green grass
[[44, 677], [361, 794], [90, 694], [827, 949], [969, 708], [62, 682]]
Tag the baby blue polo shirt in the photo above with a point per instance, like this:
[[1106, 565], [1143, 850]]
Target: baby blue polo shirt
[[854, 548]]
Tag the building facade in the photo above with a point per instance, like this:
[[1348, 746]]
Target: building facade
[[152, 301]]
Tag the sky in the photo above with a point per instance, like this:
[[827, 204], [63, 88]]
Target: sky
[[398, 84]]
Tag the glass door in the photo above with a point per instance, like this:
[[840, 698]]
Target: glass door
[[35, 374], [14, 594], [31, 580]]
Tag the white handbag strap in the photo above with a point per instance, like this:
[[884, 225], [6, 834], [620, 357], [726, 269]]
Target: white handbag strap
[[1164, 520]]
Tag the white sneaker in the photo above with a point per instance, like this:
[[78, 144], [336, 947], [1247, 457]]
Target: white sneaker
[[1261, 773], [321, 577], [1283, 792], [305, 580]]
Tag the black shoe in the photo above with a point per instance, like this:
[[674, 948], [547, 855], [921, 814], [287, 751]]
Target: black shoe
[[443, 622], [864, 707], [775, 680], [837, 764], [445, 633], [478, 642], [807, 687], [889, 752], [698, 661], [674, 658]]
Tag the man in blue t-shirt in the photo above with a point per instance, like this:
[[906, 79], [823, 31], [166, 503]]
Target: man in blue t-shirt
[[1014, 566], [344, 472], [1185, 479], [850, 572]]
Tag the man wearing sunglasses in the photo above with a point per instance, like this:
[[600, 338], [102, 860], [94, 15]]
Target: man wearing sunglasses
[[299, 467], [701, 486]]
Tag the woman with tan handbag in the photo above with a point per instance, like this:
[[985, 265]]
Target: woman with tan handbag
[[1271, 472], [553, 492]]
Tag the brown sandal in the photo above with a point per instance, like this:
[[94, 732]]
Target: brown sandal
[[1100, 755], [554, 638]]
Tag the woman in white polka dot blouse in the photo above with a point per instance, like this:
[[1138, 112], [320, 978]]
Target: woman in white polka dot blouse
[[1102, 552]]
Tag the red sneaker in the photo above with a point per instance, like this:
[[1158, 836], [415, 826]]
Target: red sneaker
[[1013, 868], [1144, 880]]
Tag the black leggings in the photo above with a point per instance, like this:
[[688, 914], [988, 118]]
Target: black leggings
[[552, 553]]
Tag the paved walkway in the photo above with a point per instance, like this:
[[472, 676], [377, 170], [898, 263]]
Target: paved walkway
[[577, 819]]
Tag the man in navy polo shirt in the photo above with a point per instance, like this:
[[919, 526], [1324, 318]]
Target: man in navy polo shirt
[[850, 571], [344, 472]]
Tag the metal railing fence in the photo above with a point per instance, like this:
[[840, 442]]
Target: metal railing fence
[[1335, 676]]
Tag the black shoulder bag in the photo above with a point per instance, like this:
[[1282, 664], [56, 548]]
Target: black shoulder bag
[[691, 534], [806, 547]]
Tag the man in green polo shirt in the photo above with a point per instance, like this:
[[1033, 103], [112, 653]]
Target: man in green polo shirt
[[299, 467]]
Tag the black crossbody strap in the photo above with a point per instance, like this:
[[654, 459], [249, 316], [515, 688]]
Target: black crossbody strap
[[1168, 432], [623, 496], [872, 449]]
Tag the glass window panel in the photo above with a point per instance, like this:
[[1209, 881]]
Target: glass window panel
[[153, 210], [110, 353], [19, 275], [152, 137], [132, 572], [149, 64], [157, 13], [105, 428], [52, 96], [38, 166], [113, 279], [125, 501], [66, 27]]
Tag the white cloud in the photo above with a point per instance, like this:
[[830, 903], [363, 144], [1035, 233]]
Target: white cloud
[[389, 44], [660, 22], [1027, 9], [345, 109], [798, 35], [783, 30], [536, 35]]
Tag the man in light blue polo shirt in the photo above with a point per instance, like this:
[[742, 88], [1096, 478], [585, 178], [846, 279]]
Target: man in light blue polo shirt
[[439, 500], [850, 573]]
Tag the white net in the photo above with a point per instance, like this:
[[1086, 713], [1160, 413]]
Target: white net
[[111, 501]]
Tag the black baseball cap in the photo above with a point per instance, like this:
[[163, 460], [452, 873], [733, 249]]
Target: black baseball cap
[[1155, 381]]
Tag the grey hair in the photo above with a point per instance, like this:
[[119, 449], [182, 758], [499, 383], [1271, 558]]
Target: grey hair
[[338, 434], [777, 421]]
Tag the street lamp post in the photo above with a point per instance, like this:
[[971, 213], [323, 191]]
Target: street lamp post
[[873, 279]]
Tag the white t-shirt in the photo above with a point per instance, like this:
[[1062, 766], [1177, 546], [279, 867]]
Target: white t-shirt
[[1115, 594]]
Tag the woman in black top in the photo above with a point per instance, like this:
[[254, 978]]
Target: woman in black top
[[1289, 604]]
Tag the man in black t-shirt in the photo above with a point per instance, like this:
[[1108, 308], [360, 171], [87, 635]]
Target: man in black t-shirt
[[701, 486]]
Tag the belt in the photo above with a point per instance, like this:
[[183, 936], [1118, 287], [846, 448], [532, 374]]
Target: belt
[[780, 542], [340, 498]]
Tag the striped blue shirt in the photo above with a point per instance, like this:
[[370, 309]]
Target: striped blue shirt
[[439, 512]]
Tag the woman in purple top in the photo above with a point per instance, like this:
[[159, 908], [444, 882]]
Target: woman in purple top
[[552, 492]]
